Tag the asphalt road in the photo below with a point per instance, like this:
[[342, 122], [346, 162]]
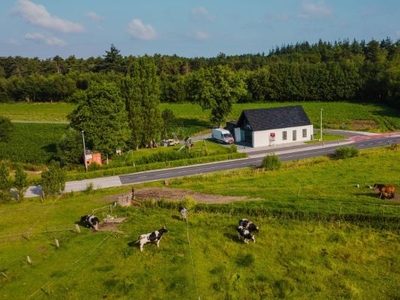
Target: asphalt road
[[285, 153]]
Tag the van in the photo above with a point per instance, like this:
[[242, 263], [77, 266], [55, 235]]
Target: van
[[222, 136]]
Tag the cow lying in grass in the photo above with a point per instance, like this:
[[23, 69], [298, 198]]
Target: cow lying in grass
[[90, 221], [385, 191], [152, 237]]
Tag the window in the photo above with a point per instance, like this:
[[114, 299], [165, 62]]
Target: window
[[294, 135], [304, 133], [284, 136]]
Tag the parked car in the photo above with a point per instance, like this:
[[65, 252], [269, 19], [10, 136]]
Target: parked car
[[222, 136]]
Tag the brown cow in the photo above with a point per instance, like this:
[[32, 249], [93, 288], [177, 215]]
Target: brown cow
[[386, 191]]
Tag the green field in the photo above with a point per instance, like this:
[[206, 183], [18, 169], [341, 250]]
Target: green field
[[321, 237], [351, 116]]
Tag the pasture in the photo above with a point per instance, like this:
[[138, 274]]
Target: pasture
[[321, 237]]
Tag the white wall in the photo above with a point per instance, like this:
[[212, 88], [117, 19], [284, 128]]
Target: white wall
[[237, 135], [263, 138]]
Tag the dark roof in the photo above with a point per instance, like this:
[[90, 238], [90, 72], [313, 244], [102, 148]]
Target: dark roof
[[274, 118]]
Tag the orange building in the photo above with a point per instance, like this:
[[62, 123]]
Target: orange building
[[93, 158]]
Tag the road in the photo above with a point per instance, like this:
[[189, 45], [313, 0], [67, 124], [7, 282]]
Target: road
[[255, 156]]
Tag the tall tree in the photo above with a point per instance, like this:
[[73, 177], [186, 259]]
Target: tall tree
[[217, 89], [142, 93], [102, 116], [169, 121], [70, 148], [113, 61]]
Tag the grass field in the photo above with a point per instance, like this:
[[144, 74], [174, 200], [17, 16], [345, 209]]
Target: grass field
[[351, 116], [320, 237]]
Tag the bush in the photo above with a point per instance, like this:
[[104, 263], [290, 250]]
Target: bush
[[271, 162], [345, 152]]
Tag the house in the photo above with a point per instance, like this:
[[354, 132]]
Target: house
[[272, 126]]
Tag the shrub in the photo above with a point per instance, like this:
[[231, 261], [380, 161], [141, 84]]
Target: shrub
[[345, 152], [271, 162]]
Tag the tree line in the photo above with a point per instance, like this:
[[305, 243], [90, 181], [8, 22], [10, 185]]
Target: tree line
[[324, 71]]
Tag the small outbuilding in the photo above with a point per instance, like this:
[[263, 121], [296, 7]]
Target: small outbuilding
[[272, 126]]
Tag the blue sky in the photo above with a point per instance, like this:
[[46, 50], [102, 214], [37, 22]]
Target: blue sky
[[188, 28]]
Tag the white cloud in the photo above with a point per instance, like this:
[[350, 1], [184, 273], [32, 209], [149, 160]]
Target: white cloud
[[93, 16], [199, 35], [314, 10], [49, 40], [138, 30], [201, 14], [38, 15]]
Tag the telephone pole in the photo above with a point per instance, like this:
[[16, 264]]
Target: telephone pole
[[84, 150]]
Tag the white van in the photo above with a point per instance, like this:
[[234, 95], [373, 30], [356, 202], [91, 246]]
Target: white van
[[222, 136]]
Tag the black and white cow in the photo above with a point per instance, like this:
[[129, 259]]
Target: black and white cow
[[90, 221], [249, 225], [245, 234], [152, 237]]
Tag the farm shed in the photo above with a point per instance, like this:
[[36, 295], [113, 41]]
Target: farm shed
[[93, 158], [272, 126]]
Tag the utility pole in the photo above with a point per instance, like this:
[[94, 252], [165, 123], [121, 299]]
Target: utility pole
[[84, 150], [321, 124]]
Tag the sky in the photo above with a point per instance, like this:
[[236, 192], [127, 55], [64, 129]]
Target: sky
[[187, 28]]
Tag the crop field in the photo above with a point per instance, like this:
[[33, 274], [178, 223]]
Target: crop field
[[32, 143], [350, 116], [321, 237]]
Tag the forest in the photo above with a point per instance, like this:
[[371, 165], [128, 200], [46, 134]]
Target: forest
[[324, 71]]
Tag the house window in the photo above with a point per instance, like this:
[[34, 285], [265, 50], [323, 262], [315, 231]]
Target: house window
[[304, 133], [284, 136], [294, 135]]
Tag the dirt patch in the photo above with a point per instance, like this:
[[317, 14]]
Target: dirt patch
[[173, 194], [363, 125]]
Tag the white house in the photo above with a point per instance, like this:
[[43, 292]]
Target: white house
[[273, 126]]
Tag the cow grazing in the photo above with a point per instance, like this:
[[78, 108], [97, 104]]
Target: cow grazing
[[386, 191], [245, 234], [90, 221], [249, 225], [152, 237]]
